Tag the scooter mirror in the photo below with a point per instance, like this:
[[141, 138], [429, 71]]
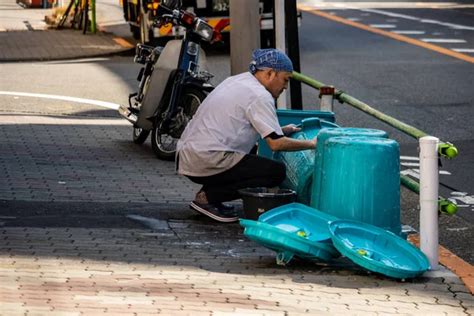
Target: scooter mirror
[[172, 4]]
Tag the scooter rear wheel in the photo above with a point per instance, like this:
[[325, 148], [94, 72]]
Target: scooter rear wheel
[[163, 144], [139, 135]]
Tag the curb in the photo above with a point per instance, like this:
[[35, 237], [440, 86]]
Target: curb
[[458, 266], [32, 59], [123, 42]]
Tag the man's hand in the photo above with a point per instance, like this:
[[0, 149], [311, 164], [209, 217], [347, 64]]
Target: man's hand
[[290, 129]]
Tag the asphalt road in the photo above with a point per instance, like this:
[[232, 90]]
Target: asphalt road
[[421, 87]]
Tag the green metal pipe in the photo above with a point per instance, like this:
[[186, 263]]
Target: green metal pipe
[[93, 17], [446, 149], [444, 205], [343, 97], [410, 130], [307, 80], [409, 183]]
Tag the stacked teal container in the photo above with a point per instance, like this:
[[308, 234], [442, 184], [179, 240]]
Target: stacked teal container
[[323, 136], [360, 180], [300, 164]]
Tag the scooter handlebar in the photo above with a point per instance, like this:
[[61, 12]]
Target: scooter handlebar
[[188, 20]]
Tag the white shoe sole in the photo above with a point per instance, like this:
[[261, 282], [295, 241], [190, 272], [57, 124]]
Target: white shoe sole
[[203, 211]]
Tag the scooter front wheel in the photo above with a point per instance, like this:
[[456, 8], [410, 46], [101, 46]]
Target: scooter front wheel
[[164, 144], [139, 135]]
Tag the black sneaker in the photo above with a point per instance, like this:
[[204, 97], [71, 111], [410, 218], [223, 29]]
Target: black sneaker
[[224, 207], [215, 212]]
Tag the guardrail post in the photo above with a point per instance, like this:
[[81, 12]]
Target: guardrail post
[[280, 42], [429, 185], [326, 94]]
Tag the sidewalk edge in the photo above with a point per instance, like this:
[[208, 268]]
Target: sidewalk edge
[[458, 266]]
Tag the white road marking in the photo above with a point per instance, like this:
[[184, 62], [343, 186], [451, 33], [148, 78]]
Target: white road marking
[[408, 32], [383, 26], [456, 193], [413, 18], [33, 119], [410, 172], [468, 199], [457, 229], [463, 50], [353, 19], [75, 61], [442, 40], [109, 105], [445, 172], [415, 164], [410, 164], [415, 173]]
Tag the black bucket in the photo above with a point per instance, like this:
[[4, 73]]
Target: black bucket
[[259, 200]]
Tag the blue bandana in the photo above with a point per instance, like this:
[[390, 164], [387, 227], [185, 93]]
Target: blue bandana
[[270, 58]]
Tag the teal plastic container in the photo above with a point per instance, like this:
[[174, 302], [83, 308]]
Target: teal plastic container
[[286, 117], [300, 164], [293, 230], [323, 136], [361, 180], [378, 250]]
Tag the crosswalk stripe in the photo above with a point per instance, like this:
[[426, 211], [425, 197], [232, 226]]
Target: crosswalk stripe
[[463, 50], [408, 32], [384, 26], [442, 40]]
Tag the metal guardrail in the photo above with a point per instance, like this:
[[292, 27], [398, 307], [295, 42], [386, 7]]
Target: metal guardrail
[[445, 149]]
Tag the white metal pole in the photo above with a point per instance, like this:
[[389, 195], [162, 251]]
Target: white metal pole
[[280, 41], [327, 98], [429, 185]]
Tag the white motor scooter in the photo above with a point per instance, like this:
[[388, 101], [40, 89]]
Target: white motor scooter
[[173, 82]]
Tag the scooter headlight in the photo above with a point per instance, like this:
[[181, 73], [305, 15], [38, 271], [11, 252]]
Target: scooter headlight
[[204, 30]]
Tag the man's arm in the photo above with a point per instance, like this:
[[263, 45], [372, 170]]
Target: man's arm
[[289, 144]]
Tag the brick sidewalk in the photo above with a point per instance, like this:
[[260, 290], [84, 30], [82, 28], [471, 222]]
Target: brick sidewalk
[[194, 268]]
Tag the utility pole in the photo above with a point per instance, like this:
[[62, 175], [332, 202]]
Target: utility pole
[[293, 45], [280, 41], [244, 33]]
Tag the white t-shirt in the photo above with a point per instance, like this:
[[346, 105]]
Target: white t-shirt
[[226, 126]]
